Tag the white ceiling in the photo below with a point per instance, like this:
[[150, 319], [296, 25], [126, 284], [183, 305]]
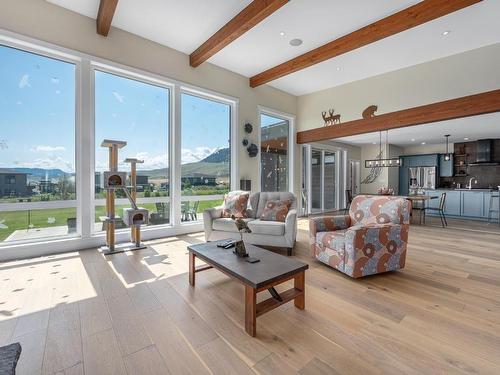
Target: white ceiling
[[474, 128], [186, 24]]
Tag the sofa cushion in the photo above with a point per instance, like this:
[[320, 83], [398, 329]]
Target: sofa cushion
[[277, 196], [273, 228], [253, 203], [235, 203], [225, 224], [275, 210]]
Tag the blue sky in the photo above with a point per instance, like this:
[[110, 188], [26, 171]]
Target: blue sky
[[37, 122]]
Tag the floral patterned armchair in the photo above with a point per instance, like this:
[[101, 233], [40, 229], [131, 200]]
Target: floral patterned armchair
[[371, 239]]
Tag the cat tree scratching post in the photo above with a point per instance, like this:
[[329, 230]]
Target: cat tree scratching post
[[135, 230], [134, 216]]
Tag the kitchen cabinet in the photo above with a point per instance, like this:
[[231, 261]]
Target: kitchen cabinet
[[423, 160], [452, 205], [486, 205], [472, 204], [445, 166]]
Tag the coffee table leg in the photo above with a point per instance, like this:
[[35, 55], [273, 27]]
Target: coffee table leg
[[299, 282], [192, 258], [250, 310]]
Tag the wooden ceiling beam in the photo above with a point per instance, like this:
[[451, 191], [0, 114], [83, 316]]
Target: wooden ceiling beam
[[105, 16], [254, 13], [473, 105], [416, 15]]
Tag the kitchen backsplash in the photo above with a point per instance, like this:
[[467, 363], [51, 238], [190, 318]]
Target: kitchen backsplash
[[487, 176]]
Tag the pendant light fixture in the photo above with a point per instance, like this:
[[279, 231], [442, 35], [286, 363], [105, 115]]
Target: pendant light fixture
[[380, 161], [447, 155]]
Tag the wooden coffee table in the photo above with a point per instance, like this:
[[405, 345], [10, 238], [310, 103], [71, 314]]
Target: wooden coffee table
[[273, 269]]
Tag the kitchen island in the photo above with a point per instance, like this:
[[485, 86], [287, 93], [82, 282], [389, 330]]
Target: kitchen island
[[466, 203]]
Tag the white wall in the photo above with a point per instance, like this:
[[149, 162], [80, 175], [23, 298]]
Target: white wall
[[42, 20], [451, 77]]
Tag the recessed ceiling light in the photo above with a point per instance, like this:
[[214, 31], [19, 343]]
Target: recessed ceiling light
[[423, 143], [295, 42], [447, 32], [466, 139], [282, 33], [413, 139], [339, 68]]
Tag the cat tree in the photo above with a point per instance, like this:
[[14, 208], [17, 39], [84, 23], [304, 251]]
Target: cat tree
[[134, 216]]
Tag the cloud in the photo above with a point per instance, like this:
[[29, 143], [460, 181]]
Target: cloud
[[58, 92], [54, 80], [157, 161], [48, 163], [199, 153], [42, 148], [151, 161], [118, 97], [24, 81]]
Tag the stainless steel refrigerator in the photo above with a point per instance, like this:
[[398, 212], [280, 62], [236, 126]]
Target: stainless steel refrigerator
[[421, 178]]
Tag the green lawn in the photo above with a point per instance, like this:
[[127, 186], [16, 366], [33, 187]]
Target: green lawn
[[15, 220]]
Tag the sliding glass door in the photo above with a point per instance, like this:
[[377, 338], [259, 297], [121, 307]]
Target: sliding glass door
[[320, 179]]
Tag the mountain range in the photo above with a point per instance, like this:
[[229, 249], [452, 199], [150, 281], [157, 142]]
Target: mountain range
[[216, 164]]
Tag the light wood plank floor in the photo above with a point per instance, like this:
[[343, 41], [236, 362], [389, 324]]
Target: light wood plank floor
[[80, 313]]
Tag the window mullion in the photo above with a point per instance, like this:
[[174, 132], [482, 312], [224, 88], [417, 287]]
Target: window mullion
[[85, 148]]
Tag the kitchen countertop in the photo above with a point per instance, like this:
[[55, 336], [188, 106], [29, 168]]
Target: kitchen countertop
[[462, 189]]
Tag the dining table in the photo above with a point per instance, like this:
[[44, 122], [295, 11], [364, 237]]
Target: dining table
[[418, 202]]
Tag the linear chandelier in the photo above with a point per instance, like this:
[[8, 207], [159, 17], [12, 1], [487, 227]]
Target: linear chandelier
[[379, 161]]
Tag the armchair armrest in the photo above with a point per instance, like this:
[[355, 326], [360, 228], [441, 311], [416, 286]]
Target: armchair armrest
[[208, 217], [291, 227], [214, 212], [328, 224]]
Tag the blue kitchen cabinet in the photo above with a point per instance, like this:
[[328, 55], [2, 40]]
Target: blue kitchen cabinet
[[445, 166], [424, 160], [486, 204], [453, 203], [472, 204], [404, 178]]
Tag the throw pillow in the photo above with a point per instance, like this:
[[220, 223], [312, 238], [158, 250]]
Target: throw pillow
[[275, 210], [235, 203]]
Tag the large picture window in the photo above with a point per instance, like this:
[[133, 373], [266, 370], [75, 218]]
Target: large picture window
[[274, 133], [37, 147], [137, 113], [206, 154], [58, 106]]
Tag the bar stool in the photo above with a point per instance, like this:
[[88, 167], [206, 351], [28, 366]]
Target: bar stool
[[492, 208]]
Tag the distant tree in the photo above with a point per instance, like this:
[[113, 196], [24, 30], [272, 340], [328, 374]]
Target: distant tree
[[65, 187]]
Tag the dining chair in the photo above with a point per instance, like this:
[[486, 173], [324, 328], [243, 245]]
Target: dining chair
[[193, 212], [185, 211], [348, 199], [439, 209]]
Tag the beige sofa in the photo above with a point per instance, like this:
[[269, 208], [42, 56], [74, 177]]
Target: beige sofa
[[265, 233]]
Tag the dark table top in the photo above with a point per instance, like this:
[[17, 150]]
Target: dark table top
[[272, 267]]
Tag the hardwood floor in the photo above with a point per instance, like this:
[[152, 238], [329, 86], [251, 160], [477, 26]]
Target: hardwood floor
[[135, 313]]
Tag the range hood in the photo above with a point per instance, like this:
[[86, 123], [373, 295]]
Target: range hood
[[484, 153]]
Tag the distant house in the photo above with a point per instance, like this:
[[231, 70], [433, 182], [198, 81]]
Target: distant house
[[199, 179], [13, 183], [47, 186], [142, 182]]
